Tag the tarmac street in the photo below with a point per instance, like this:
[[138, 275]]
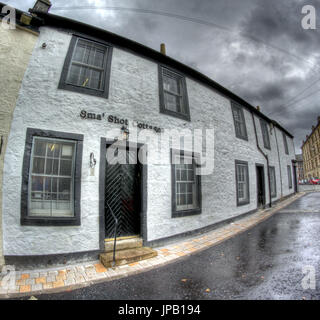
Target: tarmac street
[[276, 259]]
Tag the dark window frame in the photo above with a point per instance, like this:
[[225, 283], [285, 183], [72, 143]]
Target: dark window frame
[[273, 195], [189, 212], [289, 172], [236, 106], [65, 70], [265, 134], [27, 220], [184, 116], [285, 143], [245, 202]]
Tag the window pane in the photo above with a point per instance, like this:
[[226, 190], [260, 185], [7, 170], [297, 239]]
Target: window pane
[[39, 148], [37, 184], [52, 166], [95, 82], [38, 165], [172, 102], [51, 195], [64, 185], [74, 74], [65, 167], [99, 58], [171, 84]]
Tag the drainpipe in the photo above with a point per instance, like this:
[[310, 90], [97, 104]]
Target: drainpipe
[[275, 134], [266, 157]]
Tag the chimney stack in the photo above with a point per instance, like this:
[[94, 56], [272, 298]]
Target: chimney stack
[[42, 6], [163, 48], [258, 108]]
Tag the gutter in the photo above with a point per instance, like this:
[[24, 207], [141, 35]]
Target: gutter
[[275, 134], [266, 157]]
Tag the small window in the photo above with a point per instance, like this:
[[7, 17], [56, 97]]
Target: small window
[[289, 177], [285, 143], [173, 94], [186, 193], [51, 178], [239, 121], [273, 184], [87, 67], [265, 134], [242, 182]]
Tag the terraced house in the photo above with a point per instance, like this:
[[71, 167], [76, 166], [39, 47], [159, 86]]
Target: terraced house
[[85, 88], [311, 152]]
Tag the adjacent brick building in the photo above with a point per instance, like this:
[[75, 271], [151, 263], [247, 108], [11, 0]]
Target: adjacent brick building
[[311, 152]]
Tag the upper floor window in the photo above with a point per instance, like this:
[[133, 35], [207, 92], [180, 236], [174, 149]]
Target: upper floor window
[[173, 94], [265, 134], [285, 143], [239, 121], [87, 67]]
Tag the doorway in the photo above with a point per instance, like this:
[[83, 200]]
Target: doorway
[[122, 192], [261, 199]]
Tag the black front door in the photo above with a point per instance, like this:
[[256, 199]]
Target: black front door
[[122, 194], [260, 186], [294, 167]]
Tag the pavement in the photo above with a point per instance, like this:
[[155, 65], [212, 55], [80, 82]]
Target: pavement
[[67, 278]]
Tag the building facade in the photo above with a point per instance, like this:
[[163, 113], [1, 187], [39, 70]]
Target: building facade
[[16, 48], [88, 94], [311, 153]]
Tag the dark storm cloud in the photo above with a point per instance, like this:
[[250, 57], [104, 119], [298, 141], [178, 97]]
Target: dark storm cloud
[[255, 48]]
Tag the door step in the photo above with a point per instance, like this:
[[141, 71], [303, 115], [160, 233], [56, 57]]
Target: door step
[[127, 256], [123, 243]]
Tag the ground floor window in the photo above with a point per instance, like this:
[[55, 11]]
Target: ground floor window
[[273, 185], [51, 178], [242, 182], [186, 185]]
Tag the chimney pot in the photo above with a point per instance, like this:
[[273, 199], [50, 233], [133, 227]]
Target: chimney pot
[[163, 48], [42, 5], [258, 108]]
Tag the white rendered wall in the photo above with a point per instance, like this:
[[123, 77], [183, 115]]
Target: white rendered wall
[[133, 95]]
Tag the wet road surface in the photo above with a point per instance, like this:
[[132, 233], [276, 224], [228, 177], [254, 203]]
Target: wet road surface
[[265, 262]]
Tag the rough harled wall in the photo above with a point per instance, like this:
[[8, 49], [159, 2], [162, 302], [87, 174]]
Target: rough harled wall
[[133, 95], [15, 51]]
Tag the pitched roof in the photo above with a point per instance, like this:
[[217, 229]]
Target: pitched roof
[[56, 21]]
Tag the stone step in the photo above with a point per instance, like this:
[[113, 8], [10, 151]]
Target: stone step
[[127, 256], [123, 244]]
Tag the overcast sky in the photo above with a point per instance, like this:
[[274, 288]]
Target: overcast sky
[[255, 48]]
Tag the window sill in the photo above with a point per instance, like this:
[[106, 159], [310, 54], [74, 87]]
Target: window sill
[[50, 221], [182, 116], [185, 213], [83, 90], [243, 203]]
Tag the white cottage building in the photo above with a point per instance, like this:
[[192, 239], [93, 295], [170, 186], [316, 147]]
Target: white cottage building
[[83, 89]]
